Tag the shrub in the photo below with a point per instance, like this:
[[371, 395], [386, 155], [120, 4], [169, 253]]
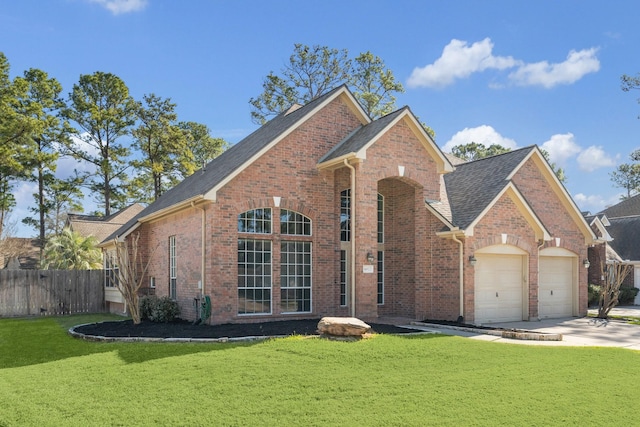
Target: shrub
[[147, 303], [627, 296], [160, 310], [165, 310], [594, 294]]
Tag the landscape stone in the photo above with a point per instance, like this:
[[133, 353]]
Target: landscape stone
[[342, 326]]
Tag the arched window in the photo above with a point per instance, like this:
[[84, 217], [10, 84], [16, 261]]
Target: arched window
[[255, 262], [294, 224], [255, 221]]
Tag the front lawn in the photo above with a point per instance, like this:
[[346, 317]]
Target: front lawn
[[48, 378]]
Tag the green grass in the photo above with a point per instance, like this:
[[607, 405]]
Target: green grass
[[48, 378]]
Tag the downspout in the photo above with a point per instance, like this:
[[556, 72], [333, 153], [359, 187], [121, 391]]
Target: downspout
[[353, 237], [202, 246], [542, 243], [455, 239]]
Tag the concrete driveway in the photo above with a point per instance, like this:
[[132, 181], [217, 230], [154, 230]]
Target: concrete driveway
[[583, 331]]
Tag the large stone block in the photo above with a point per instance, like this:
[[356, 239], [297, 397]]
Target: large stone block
[[342, 326]]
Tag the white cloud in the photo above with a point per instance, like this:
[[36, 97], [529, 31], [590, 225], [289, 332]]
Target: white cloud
[[595, 203], [577, 65], [561, 147], [459, 60], [483, 134], [594, 158], [118, 7]]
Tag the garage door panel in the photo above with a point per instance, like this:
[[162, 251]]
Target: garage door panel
[[498, 288], [556, 283]]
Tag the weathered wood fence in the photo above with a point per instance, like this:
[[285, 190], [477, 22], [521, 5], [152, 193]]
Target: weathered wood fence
[[51, 292]]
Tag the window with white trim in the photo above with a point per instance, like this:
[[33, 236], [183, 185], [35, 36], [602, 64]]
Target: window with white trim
[[254, 276], [173, 271], [295, 277], [380, 277], [343, 278], [294, 223], [380, 249], [111, 270], [255, 221], [345, 215]]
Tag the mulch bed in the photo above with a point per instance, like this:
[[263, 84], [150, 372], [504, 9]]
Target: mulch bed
[[185, 329]]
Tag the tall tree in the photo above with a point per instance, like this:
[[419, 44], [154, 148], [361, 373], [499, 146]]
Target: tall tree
[[41, 106], [14, 150], [373, 84], [64, 195], [104, 112], [627, 175], [163, 144], [203, 146], [313, 71]]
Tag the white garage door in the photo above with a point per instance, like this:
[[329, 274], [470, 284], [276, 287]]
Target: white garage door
[[555, 292], [498, 288]]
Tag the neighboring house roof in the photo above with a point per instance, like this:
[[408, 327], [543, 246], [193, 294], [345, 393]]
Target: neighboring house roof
[[599, 224], [628, 207], [19, 253], [101, 226], [204, 183], [626, 237]]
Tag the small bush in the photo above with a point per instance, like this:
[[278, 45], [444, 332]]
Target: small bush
[[160, 310], [147, 303], [166, 310], [627, 296], [594, 294]]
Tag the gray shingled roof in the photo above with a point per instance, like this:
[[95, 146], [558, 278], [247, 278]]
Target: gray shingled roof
[[626, 237], [628, 207], [361, 137], [224, 165], [474, 185]]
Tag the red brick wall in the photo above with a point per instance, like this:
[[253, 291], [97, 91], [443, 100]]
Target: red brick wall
[[554, 216], [503, 217], [287, 171]]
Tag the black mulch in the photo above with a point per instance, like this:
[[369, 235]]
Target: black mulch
[[185, 329]]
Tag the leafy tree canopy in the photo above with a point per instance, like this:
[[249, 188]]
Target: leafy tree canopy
[[71, 251], [313, 71]]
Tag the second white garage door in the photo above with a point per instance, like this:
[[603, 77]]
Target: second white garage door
[[498, 288], [555, 293]]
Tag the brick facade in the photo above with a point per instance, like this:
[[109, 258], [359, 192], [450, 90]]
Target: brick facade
[[422, 269]]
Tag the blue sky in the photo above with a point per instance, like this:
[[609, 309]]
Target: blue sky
[[507, 72]]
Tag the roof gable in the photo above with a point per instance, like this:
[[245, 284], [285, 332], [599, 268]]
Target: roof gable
[[204, 183], [525, 210], [356, 144], [475, 186]]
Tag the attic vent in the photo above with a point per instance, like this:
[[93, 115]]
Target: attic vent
[[293, 108]]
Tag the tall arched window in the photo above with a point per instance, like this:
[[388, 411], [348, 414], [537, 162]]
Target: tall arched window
[[255, 261], [295, 263]]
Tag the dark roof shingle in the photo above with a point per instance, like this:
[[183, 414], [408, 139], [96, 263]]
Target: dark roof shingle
[[474, 185]]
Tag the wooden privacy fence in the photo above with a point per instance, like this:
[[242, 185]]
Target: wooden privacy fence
[[50, 292]]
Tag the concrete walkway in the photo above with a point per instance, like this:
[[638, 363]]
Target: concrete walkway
[[582, 331]]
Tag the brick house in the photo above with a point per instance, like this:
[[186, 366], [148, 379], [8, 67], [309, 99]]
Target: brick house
[[617, 229], [323, 211]]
